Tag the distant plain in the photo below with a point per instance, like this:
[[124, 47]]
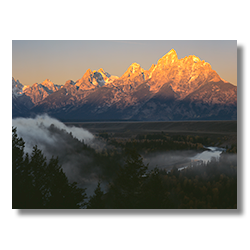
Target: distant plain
[[212, 129]]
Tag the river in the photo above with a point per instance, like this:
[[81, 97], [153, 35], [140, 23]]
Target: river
[[205, 156], [182, 159]]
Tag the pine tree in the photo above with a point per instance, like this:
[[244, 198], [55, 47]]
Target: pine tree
[[125, 190], [96, 201], [154, 195], [38, 184], [37, 167], [21, 183]]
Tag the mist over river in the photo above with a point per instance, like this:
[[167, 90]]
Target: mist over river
[[182, 159], [207, 155]]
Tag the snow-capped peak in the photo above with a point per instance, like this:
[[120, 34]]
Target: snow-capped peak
[[107, 77], [17, 87], [93, 79]]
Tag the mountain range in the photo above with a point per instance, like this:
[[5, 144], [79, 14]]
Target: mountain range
[[172, 89]]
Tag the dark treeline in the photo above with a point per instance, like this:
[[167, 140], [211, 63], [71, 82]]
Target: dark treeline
[[41, 183], [158, 142], [38, 184], [208, 186]]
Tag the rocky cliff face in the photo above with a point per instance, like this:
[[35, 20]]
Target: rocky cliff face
[[173, 89], [38, 92]]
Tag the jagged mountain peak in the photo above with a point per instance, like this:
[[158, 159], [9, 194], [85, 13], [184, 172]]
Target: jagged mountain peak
[[70, 87], [192, 59], [47, 81], [87, 77], [171, 53], [49, 85], [17, 87], [169, 58], [15, 82], [101, 70], [184, 75], [88, 74], [70, 82], [88, 71], [133, 70], [105, 74], [92, 79], [171, 89], [134, 67], [39, 91], [195, 59]]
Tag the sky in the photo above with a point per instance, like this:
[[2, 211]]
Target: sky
[[33, 61]]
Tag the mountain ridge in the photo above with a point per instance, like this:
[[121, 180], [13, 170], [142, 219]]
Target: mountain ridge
[[186, 88]]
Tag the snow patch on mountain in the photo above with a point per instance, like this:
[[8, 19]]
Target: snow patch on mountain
[[17, 88]]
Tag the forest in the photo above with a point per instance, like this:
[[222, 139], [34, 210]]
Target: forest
[[41, 183]]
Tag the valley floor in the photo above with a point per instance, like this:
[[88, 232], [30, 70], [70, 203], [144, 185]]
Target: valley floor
[[224, 132]]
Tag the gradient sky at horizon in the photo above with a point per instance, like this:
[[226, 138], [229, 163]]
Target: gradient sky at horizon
[[61, 60]]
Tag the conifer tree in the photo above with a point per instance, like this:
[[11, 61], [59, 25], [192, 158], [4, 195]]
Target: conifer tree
[[38, 184], [37, 171], [96, 200], [126, 188], [21, 183], [154, 195]]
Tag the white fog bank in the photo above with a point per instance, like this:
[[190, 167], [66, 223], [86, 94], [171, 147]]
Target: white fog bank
[[34, 131]]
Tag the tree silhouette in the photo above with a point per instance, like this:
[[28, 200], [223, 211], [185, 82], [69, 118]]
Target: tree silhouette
[[153, 194], [96, 201], [125, 189], [21, 180], [38, 184], [59, 192], [37, 171]]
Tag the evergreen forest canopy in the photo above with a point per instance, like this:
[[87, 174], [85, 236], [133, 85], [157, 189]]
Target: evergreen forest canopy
[[39, 183]]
